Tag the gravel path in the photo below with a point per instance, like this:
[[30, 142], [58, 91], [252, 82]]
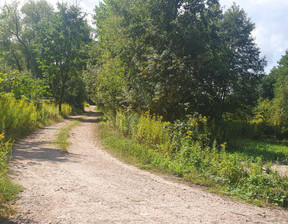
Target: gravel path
[[88, 185]]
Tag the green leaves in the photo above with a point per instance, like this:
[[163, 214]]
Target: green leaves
[[60, 43], [179, 56]]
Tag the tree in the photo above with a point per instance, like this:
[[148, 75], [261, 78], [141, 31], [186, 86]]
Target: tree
[[61, 45], [231, 68], [280, 100], [18, 33], [178, 56]]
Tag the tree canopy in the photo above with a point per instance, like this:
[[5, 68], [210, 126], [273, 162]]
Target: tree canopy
[[45, 45], [174, 57]]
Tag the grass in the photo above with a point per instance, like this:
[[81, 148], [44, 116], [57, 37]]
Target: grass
[[63, 134], [8, 194], [268, 151], [234, 174]]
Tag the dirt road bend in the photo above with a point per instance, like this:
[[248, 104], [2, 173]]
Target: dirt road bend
[[88, 185]]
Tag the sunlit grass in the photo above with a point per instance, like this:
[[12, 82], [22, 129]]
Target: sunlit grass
[[63, 134], [268, 151]]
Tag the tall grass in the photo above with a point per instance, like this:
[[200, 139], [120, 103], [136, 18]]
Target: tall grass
[[185, 149], [229, 130], [20, 117]]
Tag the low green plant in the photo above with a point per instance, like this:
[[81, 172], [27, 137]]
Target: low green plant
[[47, 113], [8, 190], [63, 134], [267, 150]]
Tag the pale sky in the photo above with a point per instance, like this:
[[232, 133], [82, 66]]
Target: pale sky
[[270, 17]]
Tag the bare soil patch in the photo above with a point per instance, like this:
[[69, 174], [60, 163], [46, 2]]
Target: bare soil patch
[[88, 185]]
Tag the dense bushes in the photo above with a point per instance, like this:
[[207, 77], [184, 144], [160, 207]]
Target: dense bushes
[[19, 117], [187, 149]]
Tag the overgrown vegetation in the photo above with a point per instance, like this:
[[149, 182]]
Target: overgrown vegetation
[[63, 134], [183, 149]]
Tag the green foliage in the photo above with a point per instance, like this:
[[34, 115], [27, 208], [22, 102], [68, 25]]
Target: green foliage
[[20, 117], [145, 129], [108, 88], [274, 110], [18, 33], [43, 51], [61, 42], [173, 58], [23, 85], [183, 150], [17, 117], [5, 150]]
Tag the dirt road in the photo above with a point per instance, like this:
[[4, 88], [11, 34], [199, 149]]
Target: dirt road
[[87, 185]]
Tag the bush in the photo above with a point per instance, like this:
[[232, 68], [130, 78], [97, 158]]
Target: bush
[[17, 117]]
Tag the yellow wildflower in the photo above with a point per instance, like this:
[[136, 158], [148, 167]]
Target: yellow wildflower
[[2, 136], [195, 124], [192, 120], [189, 133]]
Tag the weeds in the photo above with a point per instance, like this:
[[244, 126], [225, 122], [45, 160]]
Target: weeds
[[63, 134], [186, 149]]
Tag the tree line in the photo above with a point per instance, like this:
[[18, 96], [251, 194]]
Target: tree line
[[171, 58], [175, 57], [43, 51]]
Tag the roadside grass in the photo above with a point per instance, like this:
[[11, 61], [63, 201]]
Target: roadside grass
[[274, 151], [234, 174], [8, 194], [63, 134], [8, 190]]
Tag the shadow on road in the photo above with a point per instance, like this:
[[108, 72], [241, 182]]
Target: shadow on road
[[37, 151], [89, 117]]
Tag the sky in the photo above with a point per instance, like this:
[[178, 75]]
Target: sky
[[270, 18]]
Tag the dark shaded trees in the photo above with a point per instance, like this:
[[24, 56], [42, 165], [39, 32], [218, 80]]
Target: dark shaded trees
[[175, 57], [61, 45]]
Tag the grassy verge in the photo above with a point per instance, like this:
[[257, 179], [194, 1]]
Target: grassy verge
[[268, 151], [8, 190], [235, 175], [63, 134], [8, 194]]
